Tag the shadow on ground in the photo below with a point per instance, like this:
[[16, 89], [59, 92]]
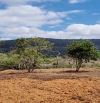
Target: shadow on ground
[[49, 74], [74, 71]]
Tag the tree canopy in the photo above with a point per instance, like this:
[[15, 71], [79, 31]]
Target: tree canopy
[[41, 44], [30, 51], [21, 44], [82, 51]]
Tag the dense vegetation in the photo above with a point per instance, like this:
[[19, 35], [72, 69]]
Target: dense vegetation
[[43, 53]]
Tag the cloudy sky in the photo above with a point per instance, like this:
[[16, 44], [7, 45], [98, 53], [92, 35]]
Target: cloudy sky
[[61, 19]]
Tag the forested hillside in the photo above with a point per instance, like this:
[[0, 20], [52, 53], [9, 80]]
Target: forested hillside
[[59, 44]]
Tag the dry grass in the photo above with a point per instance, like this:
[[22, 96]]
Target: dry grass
[[25, 89]]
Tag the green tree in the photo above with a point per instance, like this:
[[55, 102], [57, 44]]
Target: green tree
[[21, 45], [82, 51], [30, 51], [30, 59], [41, 44]]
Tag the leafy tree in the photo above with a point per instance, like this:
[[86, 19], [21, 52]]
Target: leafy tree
[[21, 44], [30, 59], [29, 53], [82, 51], [41, 44]]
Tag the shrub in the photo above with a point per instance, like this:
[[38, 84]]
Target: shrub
[[82, 51]]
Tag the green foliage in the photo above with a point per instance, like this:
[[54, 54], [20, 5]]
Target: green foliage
[[30, 59], [98, 54], [82, 51], [41, 44], [31, 55], [21, 44], [9, 61]]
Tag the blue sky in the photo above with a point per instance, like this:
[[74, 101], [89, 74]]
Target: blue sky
[[61, 19]]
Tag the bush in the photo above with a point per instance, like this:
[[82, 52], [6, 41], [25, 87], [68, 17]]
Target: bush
[[82, 51], [9, 61]]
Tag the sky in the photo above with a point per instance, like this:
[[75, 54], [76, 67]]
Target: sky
[[59, 19]]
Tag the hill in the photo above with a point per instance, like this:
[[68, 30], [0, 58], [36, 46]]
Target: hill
[[59, 44]]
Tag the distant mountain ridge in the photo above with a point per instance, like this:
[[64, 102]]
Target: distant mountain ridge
[[59, 44]]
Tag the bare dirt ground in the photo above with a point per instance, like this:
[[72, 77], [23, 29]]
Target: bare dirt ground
[[50, 86]]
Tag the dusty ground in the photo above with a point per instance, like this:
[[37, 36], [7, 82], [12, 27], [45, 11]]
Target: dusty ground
[[50, 86]]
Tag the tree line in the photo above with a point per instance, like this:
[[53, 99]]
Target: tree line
[[29, 54]]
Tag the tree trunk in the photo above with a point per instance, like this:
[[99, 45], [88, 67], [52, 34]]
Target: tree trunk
[[29, 70], [77, 69], [78, 65]]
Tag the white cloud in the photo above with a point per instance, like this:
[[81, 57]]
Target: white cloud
[[84, 31], [73, 31], [28, 21], [76, 1], [27, 15]]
